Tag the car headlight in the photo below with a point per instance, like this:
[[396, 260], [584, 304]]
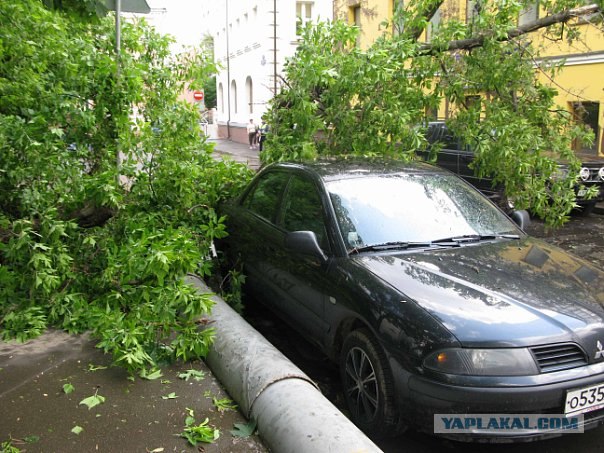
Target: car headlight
[[584, 174], [601, 173], [483, 362]]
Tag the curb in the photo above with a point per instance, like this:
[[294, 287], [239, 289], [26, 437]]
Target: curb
[[292, 415]]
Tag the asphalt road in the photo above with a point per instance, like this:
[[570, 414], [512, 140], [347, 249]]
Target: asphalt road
[[583, 236]]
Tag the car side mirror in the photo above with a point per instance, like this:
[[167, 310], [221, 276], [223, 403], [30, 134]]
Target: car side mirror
[[305, 243], [521, 218]]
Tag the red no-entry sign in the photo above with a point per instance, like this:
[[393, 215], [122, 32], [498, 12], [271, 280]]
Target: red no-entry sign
[[198, 95]]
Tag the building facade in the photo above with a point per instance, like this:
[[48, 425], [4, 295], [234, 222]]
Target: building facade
[[252, 41], [580, 82]]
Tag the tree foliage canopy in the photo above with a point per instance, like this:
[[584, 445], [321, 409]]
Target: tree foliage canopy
[[339, 99], [107, 185]]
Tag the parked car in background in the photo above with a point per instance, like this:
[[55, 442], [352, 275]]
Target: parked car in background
[[429, 297], [456, 157]]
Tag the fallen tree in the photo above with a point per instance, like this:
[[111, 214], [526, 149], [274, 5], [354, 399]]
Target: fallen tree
[[107, 185], [339, 99]]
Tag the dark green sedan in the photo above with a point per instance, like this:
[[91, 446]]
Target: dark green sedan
[[430, 298]]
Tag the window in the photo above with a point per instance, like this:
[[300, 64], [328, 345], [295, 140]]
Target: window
[[250, 94], [303, 15], [472, 101], [529, 14], [303, 210], [355, 17], [473, 8], [588, 114], [398, 7], [265, 198], [234, 96], [431, 113], [434, 25], [221, 97]]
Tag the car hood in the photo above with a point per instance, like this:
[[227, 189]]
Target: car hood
[[515, 292]]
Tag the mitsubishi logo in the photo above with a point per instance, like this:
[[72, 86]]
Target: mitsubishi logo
[[600, 351]]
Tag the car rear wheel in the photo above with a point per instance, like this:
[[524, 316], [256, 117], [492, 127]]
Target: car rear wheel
[[368, 385]]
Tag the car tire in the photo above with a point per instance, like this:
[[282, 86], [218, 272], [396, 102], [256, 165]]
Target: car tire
[[368, 385]]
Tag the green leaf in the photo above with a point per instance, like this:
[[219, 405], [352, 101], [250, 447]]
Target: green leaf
[[202, 432], [170, 396], [92, 367], [224, 404], [77, 429], [195, 374], [244, 429], [93, 401], [7, 447], [190, 418], [68, 388], [152, 376], [57, 131]]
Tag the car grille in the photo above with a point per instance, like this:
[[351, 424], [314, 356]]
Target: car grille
[[558, 357]]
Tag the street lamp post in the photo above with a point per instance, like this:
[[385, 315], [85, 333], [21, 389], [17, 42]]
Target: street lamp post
[[127, 6], [274, 47]]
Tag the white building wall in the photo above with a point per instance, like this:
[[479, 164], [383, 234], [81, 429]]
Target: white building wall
[[250, 35]]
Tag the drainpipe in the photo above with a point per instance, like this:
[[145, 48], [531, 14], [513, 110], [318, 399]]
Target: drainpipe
[[228, 84], [291, 413]]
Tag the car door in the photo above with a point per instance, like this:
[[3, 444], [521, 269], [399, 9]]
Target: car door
[[304, 281], [254, 235]]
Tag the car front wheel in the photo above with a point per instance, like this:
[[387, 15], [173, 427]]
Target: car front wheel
[[368, 385]]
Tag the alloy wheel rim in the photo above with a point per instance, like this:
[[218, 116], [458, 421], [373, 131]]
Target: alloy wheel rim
[[361, 385]]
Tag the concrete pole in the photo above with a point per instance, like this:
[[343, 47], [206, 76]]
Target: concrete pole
[[291, 413]]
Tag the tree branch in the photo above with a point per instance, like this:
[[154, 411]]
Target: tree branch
[[478, 41], [426, 10]]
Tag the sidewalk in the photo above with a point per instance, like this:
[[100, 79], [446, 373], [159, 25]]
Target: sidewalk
[[139, 416], [237, 151], [44, 383]]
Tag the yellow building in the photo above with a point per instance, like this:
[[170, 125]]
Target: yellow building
[[580, 83]]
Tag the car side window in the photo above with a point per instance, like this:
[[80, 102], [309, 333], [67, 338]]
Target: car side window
[[265, 198], [303, 210]]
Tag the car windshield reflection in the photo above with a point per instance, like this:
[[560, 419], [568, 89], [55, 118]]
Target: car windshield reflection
[[408, 210]]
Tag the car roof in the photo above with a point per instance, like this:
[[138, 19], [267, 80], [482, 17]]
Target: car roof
[[334, 169]]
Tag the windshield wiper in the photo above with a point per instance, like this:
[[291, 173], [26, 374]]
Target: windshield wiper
[[469, 238], [453, 241], [394, 245]]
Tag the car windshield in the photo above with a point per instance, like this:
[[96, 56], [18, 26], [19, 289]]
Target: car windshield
[[412, 208]]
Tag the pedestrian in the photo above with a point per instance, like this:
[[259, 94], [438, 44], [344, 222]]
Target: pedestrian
[[262, 133], [252, 133]]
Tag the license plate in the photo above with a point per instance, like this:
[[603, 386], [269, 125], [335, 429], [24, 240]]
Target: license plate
[[583, 400], [582, 192]]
